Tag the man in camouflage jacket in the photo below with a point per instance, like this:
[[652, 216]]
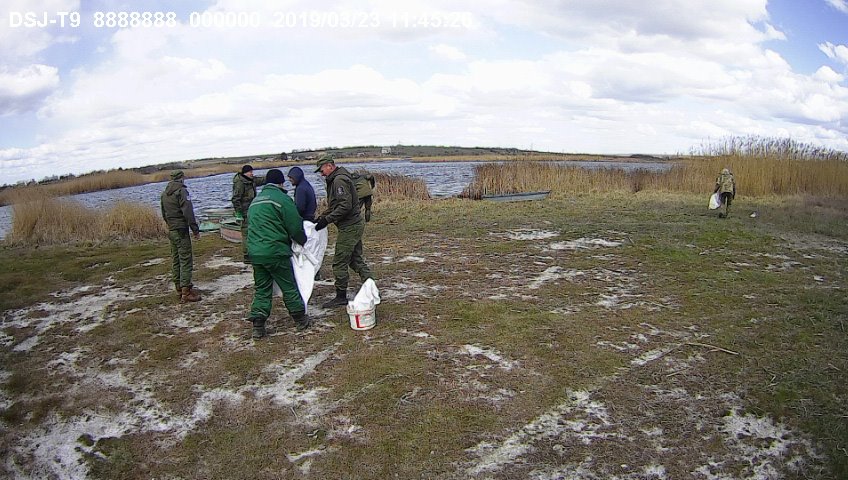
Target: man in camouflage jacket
[[343, 210], [244, 191], [178, 212]]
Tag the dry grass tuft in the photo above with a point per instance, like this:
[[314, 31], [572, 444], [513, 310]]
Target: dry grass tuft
[[399, 187], [132, 221], [50, 221]]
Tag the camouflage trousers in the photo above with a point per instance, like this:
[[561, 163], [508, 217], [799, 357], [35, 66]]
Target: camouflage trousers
[[181, 257], [244, 237], [281, 272], [349, 254]]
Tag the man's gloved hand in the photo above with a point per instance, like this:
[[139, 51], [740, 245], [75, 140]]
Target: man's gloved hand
[[239, 216], [321, 224]]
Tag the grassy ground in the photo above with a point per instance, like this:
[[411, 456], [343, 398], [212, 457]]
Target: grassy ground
[[595, 336]]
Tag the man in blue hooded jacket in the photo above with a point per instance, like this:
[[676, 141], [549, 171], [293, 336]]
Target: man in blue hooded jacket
[[304, 194]]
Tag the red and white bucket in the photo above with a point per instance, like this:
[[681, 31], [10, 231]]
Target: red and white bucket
[[362, 319]]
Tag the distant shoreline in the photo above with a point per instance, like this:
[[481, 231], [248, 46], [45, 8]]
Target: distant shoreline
[[108, 180]]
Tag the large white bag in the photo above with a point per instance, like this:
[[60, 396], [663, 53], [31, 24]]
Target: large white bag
[[715, 201], [306, 260]]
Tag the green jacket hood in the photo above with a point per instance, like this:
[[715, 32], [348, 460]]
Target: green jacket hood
[[173, 187]]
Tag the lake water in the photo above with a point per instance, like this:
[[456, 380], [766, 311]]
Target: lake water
[[443, 180]]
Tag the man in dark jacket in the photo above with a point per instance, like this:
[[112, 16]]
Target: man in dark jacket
[[274, 224], [244, 191], [304, 194], [343, 210], [178, 212]]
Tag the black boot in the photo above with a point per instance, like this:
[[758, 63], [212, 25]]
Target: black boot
[[258, 327], [341, 299], [301, 321]]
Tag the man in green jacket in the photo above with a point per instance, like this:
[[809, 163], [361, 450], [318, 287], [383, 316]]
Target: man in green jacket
[[273, 224], [343, 210], [244, 191], [178, 212]]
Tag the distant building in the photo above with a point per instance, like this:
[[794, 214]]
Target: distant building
[[386, 151]]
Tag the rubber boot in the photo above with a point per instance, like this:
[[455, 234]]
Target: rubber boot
[[179, 292], [258, 327], [341, 299], [189, 295], [301, 321]]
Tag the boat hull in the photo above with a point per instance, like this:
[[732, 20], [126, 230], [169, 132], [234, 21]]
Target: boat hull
[[517, 197], [231, 231]]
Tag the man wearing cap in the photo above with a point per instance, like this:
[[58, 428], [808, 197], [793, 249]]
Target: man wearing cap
[[178, 212], [343, 210], [273, 224], [244, 191]]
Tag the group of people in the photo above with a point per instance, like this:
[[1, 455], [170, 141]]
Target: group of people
[[270, 221]]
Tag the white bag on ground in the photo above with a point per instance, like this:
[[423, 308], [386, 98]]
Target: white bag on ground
[[715, 201], [362, 309], [367, 297], [306, 260]]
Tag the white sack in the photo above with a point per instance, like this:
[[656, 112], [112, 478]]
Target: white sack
[[366, 298], [715, 201], [306, 260]]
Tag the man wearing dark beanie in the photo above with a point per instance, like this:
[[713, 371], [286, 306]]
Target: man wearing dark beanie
[[273, 224]]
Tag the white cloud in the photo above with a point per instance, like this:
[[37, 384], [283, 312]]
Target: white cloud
[[827, 75], [835, 52], [448, 52], [840, 5], [24, 89]]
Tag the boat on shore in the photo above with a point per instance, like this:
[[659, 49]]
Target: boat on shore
[[231, 230], [517, 197]]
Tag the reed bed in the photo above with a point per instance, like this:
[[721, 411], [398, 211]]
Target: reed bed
[[51, 221], [517, 177], [761, 167], [399, 187]]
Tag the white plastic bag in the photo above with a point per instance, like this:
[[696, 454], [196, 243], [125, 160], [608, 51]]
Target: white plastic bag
[[715, 201], [367, 297], [306, 260]]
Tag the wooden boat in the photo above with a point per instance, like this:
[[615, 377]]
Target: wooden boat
[[231, 230], [517, 197], [216, 214]]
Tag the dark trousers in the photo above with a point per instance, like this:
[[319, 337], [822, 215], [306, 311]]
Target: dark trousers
[[726, 198]]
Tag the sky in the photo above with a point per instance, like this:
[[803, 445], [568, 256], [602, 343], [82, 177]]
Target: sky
[[98, 84]]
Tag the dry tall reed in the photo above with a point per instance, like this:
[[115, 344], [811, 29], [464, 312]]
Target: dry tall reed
[[761, 166], [50, 221], [516, 177], [399, 187]]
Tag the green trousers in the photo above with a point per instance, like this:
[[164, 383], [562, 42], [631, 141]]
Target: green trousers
[[349, 254], [279, 271], [244, 237], [181, 257]]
